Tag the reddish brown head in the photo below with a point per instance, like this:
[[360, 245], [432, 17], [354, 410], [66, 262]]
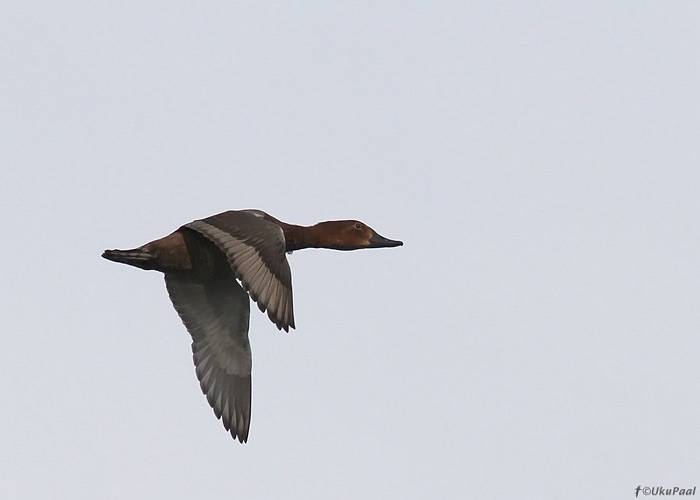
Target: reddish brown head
[[347, 235]]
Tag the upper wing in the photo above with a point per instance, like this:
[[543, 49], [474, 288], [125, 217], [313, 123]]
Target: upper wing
[[216, 314], [255, 249]]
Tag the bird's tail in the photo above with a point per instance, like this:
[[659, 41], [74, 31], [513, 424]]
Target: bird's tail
[[137, 257]]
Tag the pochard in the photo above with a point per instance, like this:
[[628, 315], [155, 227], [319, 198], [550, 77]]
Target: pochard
[[203, 263]]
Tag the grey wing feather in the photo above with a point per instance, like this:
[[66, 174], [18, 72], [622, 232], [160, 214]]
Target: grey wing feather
[[216, 315], [255, 250]]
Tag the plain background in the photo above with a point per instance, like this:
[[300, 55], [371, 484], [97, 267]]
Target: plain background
[[537, 335]]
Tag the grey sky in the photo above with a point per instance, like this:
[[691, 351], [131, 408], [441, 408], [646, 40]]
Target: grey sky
[[535, 337]]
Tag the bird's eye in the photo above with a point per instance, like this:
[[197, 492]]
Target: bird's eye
[[359, 225]]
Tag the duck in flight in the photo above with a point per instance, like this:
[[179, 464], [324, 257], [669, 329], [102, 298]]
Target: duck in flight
[[212, 266]]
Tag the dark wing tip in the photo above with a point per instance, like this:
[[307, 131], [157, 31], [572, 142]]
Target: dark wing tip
[[242, 437], [281, 323]]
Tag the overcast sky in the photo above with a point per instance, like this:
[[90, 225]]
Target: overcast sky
[[537, 336]]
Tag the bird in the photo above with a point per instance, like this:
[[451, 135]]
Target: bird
[[213, 268]]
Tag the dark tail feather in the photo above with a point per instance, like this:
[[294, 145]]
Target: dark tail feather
[[138, 257]]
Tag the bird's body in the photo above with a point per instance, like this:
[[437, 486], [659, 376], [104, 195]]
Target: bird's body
[[203, 262]]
